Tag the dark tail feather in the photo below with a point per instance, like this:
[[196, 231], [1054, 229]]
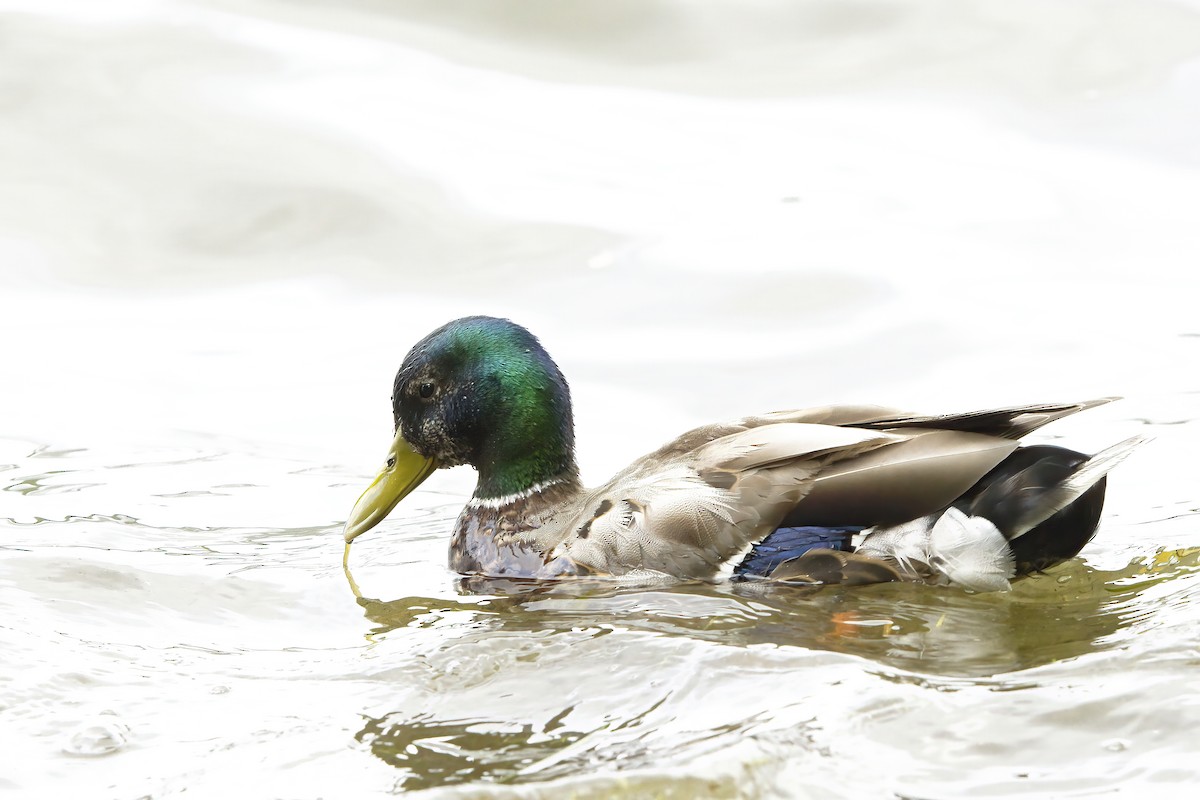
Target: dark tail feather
[[1046, 500], [1010, 423]]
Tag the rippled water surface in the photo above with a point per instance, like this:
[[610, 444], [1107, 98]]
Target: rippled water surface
[[222, 225]]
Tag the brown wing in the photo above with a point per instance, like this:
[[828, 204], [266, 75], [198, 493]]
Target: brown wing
[[944, 457]]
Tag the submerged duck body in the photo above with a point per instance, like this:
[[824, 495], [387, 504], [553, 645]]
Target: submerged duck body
[[838, 494]]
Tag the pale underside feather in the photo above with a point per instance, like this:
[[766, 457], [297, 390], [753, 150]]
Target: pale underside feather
[[905, 546], [950, 549], [970, 552]]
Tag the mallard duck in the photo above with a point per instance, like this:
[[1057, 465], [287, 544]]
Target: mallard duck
[[838, 494]]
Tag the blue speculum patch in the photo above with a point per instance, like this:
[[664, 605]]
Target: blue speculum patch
[[788, 543]]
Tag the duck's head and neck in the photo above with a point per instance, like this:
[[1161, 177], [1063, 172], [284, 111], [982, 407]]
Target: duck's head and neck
[[482, 391], [479, 391]]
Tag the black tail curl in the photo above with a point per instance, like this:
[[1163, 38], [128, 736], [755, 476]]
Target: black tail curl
[[1017, 490]]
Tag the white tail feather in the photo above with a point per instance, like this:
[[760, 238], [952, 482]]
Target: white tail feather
[[906, 545], [970, 552], [1084, 478], [1099, 465]]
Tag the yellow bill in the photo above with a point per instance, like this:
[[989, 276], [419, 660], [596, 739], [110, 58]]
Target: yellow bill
[[403, 471]]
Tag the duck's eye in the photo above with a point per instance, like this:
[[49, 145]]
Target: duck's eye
[[425, 390]]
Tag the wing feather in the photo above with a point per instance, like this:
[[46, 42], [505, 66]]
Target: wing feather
[[688, 515]]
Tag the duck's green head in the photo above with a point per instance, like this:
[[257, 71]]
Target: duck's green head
[[479, 391]]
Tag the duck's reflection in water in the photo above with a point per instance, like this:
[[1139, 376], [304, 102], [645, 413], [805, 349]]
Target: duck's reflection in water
[[435, 752], [912, 632], [1049, 617]]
